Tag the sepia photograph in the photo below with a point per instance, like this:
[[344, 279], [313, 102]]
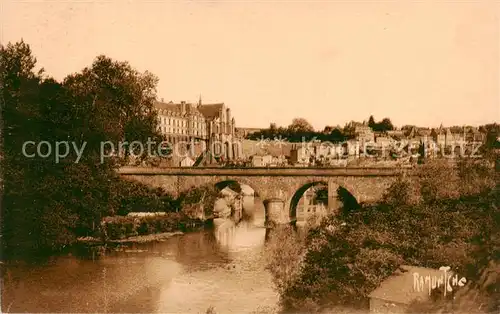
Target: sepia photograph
[[249, 156]]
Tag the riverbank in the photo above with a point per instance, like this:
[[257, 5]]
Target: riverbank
[[121, 229]]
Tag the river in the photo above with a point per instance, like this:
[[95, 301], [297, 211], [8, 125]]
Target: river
[[189, 273]]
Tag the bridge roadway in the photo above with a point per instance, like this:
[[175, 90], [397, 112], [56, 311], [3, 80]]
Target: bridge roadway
[[279, 188], [272, 171]]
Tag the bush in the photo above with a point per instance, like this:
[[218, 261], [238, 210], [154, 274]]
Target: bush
[[284, 253], [401, 192], [438, 180], [116, 228]]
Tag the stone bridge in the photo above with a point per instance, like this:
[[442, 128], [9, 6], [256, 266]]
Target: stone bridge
[[279, 188]]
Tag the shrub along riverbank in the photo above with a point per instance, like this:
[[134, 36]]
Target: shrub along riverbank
[[123, 228], [449, 217]]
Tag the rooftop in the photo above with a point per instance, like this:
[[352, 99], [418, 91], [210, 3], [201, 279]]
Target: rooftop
[[209, 111]]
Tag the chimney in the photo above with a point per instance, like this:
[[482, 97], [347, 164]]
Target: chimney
[[228, 121], [183, 107]]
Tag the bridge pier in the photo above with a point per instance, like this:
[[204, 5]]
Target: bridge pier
[[275, 213], [333, 203]]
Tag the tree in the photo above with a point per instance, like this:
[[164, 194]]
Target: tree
[[336, 136], [300, 129], [300, 125], [116, 100], [371, 122], [273, 127], [386, 125], [328, 129]]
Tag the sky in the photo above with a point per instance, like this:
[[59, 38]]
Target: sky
[[330, 62]]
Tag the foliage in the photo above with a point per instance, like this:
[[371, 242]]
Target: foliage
[[349, 202], [382, 126], [284, 253], [321, 195], [433, 175], [401, 192], [117, 228]]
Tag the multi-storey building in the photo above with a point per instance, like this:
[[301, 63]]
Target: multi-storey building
[[211, 124], [181, 122], [363, 133]]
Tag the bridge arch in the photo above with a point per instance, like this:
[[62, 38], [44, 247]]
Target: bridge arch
[[249, 211], [338, 196], [299, 193]]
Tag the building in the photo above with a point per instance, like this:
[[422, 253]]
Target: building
[[417, 134], [396, 293], [186, 162], [472, 135], [450, 141], [363, 133], [396, 133], [300, 155], [208, 124], [261, 160], [384, 141]]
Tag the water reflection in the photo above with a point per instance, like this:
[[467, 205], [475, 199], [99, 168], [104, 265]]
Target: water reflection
[[185, 274]]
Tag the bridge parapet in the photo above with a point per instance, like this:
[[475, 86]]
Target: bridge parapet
[[344, 171]]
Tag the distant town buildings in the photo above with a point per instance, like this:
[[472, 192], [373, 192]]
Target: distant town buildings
[[267, 160], [212, 126]]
